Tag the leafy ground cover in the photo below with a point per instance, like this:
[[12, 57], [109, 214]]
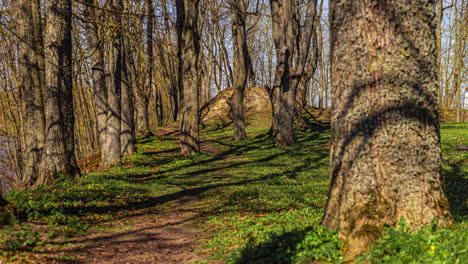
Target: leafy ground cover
[[258, 203]]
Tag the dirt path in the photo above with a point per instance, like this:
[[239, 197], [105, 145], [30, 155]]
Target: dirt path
[[162, 237]]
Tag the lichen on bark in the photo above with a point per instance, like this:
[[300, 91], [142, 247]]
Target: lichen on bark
[[386, 160]]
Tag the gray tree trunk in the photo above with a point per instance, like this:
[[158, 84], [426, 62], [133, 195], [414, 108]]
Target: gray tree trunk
[[59, 119], [31, 85], [95, 43], [241, 66], [386, 158], [189, 50], [127, 133], [142, 97], [292, 42], [114, 96]]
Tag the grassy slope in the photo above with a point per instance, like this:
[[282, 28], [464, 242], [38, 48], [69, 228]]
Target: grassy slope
[[261, 202]]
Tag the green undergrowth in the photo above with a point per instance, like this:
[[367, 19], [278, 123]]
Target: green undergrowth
[[429, 245], [261, 203]]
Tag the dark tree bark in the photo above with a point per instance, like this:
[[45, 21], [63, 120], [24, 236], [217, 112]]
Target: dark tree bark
[[95, 45], [386, 158], [189, 50], [3, 202], [292, 42], [241, 66], [31, 84], [59, 119], [114, 96]]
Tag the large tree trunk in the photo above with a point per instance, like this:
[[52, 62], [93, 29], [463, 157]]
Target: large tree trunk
[[241, 66], [59, 118], [386, 159], [31, 84], [189, 50], [95, 43], [114, 95]]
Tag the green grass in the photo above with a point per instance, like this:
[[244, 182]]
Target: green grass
[[262, 203]]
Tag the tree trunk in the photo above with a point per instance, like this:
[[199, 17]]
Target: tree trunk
[[127, 130], [292, 42], [241, 66], [386, 158], [31, 84], [189, 50], [142, 98], [114, 95], [95, 43], [440, 15], [59, 118]]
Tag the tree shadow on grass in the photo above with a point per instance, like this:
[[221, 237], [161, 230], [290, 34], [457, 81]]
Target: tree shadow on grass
[[456, 186], [313, 244], [278, 249]]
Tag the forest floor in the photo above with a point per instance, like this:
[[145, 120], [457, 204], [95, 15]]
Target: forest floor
[[248, 202]]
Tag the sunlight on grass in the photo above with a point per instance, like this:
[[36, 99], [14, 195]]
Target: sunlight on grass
[[262, 204]]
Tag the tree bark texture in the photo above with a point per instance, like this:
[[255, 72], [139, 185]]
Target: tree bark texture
[[241, 66], [292, 42], [59, 118], [31, 84], [386, 158], [142, 97], [95, 45], [189, 50], [114, 95], [127, 132]]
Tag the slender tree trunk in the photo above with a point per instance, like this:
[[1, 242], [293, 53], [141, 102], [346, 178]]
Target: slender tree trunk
[[386, 158], [31, 84], [127, 132], [159, 107], [142, 99], [440, 15], [189, 50], [114, 95], [95, 43], [59, 118], [241, 66]]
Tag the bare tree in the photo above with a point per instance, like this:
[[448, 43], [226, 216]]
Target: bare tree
[[31, 85], [189, 51], [292, 42], [127, 131], [96, 47], [113, 150], [59, 119], [241, 66]]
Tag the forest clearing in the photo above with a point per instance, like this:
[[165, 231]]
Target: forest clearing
[[233, 131]]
